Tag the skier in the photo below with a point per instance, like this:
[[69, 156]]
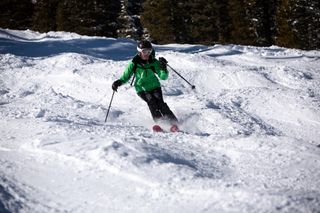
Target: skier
[[146, 70]]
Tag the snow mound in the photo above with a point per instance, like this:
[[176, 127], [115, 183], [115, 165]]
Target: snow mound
[[249, 140]]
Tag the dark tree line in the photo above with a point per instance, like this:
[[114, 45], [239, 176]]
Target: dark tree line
[[16, 14], [288, 23], [95, 17]]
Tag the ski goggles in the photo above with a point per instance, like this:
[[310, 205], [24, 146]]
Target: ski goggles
[[144, 50]]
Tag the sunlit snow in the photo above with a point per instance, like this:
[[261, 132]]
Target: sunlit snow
[[250, 140]]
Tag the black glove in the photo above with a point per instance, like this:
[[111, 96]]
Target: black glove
[[163, 63], [116, 84]]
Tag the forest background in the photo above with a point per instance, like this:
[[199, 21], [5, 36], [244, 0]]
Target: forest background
[[286, 23]]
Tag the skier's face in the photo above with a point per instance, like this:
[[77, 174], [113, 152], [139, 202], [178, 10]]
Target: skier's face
[[145, 53]]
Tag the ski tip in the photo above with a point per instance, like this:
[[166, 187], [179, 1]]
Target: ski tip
[[174, 128], [157, 128]]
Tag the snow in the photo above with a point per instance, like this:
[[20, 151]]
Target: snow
[[250, 140]]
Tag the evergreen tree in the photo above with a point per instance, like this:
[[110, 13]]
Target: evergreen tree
[[269, 16], [65, 18], [314, 25], [285, 35], [155, 20], [88, 17], [262, 14], [306, 23], [108, 17], [204, 21], [298, 24], [129, 19], [16, 14], [223, 21], [242, 30], [157, 17], [180, 20], [76, 16], [44, 17]]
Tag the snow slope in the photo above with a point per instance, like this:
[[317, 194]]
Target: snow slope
[[250, 141]]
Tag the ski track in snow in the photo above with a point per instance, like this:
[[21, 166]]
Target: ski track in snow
[[250, 140]]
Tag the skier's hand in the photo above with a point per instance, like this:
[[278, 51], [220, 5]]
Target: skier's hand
[[163, 63], [116, 84]]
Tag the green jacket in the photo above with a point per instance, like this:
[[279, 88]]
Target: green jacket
[[146, 73]]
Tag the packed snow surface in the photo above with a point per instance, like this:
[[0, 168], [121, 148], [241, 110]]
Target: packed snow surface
[[250, 139]]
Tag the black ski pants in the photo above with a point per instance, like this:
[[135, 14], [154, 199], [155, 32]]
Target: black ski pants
[[158, 108]]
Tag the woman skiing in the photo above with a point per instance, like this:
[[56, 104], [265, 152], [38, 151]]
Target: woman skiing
[[146, 71]]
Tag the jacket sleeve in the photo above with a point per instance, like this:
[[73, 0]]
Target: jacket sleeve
[[163, 74], [127, 73]]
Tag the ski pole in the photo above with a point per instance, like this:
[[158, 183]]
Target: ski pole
[[192, 86], [105, 120]]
